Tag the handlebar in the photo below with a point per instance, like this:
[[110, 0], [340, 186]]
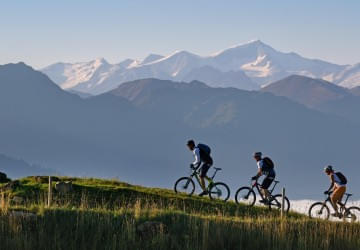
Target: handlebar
[[254, 182], [194, 170], [328, 193]]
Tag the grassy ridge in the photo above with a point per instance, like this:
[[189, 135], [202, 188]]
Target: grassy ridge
[[105, 214], [113, 195]]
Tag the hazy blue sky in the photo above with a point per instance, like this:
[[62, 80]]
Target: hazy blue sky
[[43, 32]]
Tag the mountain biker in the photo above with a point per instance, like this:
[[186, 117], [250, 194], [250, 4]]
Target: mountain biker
[[201, 156], [338, 186], [265, 168]]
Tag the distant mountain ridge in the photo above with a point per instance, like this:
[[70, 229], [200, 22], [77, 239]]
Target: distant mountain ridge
[[306, 90], [246, 66], [318, 94], [16, 168], [355, 91]]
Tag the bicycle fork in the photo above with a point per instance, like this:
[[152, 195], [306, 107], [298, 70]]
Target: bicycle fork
[[322, 208], [187, 183]]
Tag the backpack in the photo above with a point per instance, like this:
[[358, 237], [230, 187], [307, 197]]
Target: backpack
[[342, 178], [204, 148], [268, 163]]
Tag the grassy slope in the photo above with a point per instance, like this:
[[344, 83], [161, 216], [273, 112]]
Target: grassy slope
[[104, 214]]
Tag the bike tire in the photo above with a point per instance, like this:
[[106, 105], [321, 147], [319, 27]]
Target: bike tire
[[277, 203], [187, 182], [245, 195], [352, 213], [314, 208], [215, 191]]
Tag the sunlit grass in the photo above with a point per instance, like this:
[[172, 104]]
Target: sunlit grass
[[104, 214]]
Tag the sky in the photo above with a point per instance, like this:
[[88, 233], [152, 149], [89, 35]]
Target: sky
[[40, 33]]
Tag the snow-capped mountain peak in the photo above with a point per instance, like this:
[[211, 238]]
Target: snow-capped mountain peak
[[251, 43], [254, 62], [100, 61], [151, 58]]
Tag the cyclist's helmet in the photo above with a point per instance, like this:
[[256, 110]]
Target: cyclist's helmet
[[257, 154], [328, 168]]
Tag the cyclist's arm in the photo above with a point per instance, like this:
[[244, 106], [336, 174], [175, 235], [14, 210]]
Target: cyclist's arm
[[197, 161], [259, 172], [332, 182]]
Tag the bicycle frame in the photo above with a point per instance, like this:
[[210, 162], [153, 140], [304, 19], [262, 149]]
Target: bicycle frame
[[257, 186], [342, 205], [195, 174]]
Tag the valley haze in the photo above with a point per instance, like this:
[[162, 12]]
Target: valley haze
[[138, 130]]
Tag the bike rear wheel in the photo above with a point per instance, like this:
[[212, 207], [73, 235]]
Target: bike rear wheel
[[352, 214], [184, 185], [219, 191], [319, 210], [246, 196], [276, 202]]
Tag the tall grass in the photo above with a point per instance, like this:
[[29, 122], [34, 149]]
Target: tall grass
[[96, 229], [102, 214]]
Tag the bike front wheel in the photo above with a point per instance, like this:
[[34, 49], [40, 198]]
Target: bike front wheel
[[246, 196], [276, 202], [219, 191], [184, 185], [319, 210], [352, 214]]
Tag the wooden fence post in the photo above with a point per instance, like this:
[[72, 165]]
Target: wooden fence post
[[50, 192], [282, 202]]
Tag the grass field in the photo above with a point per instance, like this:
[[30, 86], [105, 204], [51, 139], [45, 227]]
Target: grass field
[[106, 214]]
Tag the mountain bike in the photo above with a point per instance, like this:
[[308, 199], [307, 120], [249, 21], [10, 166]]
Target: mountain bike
[[321, 210], [216, 190], [246, 195]]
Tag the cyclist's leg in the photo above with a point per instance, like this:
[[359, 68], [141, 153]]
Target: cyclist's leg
[[204, 169], [207, 177], [265, 186], [336, 197]]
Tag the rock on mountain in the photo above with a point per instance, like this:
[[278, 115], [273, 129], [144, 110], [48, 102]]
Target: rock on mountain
[[231, 67]]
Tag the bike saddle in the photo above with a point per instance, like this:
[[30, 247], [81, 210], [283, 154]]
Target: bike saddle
[[217, 169], [349, 194], [276, 181]]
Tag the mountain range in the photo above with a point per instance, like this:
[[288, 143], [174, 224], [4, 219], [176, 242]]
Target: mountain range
[[319, 94], [15, 168], [138, 131], [246, 66], [356, 91]]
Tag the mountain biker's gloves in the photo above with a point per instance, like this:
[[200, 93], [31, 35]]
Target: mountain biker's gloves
[[254, 178]]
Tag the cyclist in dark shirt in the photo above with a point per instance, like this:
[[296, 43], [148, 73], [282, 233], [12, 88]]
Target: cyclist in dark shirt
[[200, 157], [267, 171]]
